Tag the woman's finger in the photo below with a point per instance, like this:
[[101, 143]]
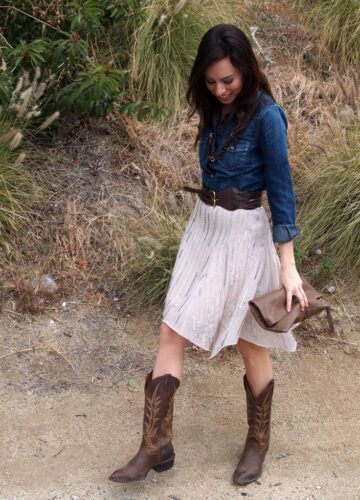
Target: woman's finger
[[301, 297], [305, 298], [288, 300], [302, 303]]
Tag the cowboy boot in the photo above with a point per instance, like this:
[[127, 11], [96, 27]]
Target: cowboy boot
[[249, 468], [156, 451]]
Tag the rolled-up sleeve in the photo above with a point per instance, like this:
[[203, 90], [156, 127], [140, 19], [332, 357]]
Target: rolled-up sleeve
[[279, 185]]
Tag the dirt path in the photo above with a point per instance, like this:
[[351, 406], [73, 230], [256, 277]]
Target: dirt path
[[69, 414]]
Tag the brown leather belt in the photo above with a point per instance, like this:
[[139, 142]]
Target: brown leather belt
[[230, 198]]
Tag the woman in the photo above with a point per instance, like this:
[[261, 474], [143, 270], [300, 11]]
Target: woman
[[227, 253]]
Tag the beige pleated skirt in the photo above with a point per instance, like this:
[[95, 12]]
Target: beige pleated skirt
[[225, 259]]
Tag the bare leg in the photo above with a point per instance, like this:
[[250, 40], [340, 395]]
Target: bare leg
[[257, 365], [170, 355]]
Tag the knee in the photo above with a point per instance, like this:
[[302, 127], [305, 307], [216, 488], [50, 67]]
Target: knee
[[169, 338], [250, 352]]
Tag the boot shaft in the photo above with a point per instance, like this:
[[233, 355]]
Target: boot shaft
[[158, 411], [259, 413]]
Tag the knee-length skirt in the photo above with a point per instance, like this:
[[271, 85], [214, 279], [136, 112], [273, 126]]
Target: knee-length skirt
[[225, 258]]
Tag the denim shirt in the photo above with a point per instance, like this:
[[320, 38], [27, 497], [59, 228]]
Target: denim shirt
[[257, 160]]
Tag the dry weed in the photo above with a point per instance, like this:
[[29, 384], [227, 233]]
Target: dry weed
[[313, 107], [162, 156]]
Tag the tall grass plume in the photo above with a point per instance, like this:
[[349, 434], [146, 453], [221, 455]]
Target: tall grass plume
[[165, 45]]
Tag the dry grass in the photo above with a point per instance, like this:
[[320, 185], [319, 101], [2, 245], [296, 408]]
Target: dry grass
[[99, 181], [337, 27], [312, 106], [165, 156], [111, 184], [114, 209]]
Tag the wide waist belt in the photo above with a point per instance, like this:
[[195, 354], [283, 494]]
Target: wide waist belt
[[230, 198]]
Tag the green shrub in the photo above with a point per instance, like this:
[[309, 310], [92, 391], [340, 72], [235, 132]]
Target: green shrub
[[152, 43], [93, 90], [29, 55], [66, 50]]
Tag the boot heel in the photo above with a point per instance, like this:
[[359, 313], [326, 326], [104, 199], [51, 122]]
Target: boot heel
[[165, 465]]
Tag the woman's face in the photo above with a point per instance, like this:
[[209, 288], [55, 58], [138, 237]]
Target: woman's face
[[224, 80]]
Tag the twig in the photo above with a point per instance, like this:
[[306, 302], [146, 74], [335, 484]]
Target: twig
[[17, 352], [59, 321], [84, 304], [13, 312], [115, 366], [266, 57], [35, 18], [64, 357], [50, 308], [58, 453], [2, 36], [337, 340]]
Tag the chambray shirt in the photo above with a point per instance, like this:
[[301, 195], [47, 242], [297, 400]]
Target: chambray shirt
[[256, 161]]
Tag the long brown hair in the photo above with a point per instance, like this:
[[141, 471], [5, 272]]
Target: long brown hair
[[225, 40]]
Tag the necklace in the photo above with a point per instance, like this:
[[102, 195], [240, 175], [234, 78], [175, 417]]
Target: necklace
[[210, 149]]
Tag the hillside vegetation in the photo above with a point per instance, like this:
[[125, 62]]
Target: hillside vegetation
[[95, 143]]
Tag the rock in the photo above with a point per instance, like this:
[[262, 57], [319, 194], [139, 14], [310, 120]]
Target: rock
[[47, 284]]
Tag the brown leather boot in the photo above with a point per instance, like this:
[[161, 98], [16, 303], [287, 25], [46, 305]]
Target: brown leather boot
[[249, 468], [156, 451]]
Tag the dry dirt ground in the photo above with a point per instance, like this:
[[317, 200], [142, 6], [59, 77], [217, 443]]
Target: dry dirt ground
[[71, 411]]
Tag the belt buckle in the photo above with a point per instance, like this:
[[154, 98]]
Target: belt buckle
[[214, 197]]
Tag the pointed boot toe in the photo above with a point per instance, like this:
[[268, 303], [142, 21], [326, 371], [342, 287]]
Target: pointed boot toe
[[126, 475], [246, 475]]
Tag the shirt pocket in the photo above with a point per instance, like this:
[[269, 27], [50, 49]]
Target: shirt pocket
[[203, 149], [235, 155]]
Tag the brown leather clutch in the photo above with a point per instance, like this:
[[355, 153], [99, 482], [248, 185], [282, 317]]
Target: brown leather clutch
[[270, 312]]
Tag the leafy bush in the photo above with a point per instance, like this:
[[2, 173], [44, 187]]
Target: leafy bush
[[93, 91], [66, 49], [92, 47]]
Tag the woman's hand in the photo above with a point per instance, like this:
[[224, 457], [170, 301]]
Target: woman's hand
[[292, 283]]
